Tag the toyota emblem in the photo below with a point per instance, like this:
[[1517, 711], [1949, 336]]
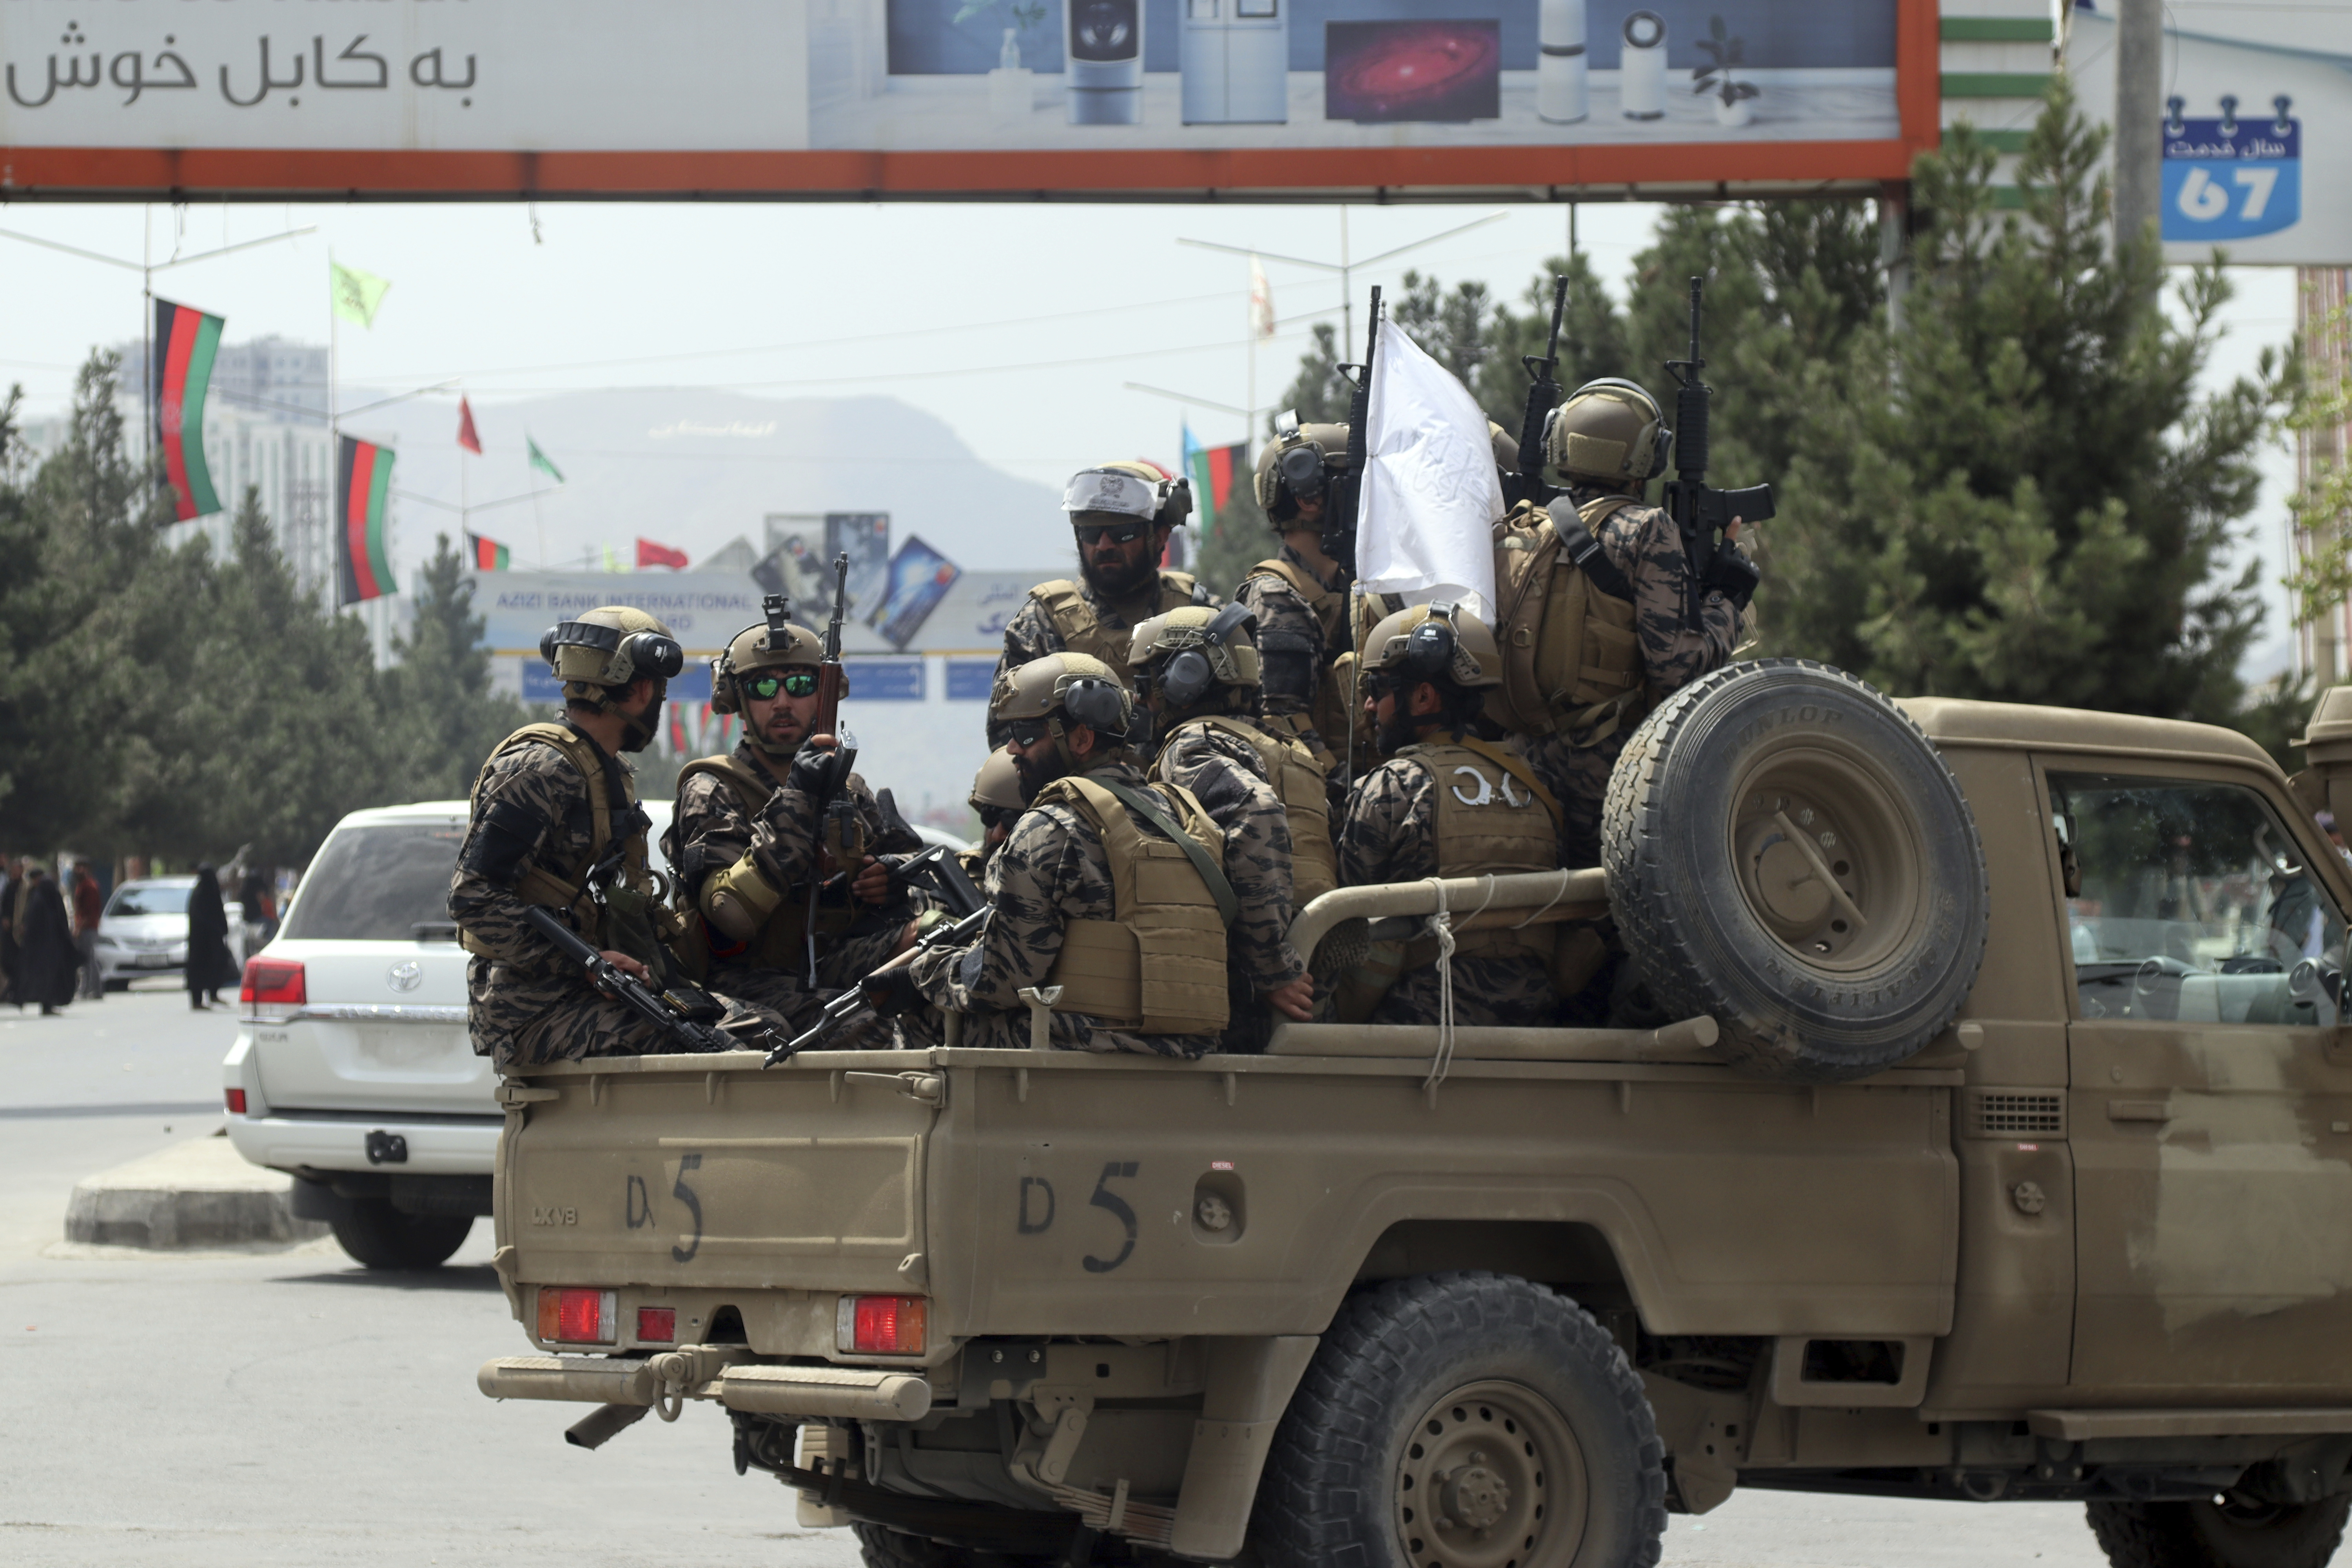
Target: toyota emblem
[[405, 976]]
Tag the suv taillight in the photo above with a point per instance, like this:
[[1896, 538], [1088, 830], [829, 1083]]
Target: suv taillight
[[272, 982], [571, 1316], [882, 1325]]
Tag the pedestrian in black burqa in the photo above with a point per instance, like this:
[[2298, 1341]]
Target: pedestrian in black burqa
[[47, 957], [210, 967]]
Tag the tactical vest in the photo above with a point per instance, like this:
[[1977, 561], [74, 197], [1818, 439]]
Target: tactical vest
[[624, 923], [1571, 656], [1157, 965], [1290, 768], [781, 941], [1334, 708], [1083, 631], [1493, 817]]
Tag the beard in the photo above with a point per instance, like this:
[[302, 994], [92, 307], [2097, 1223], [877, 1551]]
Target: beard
[[640, 727], [1398, 730], [1120, 581], [1037, 774]]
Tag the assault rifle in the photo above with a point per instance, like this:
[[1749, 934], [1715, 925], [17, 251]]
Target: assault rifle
[[837, 827], [1346, 492], [1699, 514], [844, 1009], [1543, 396], [938, 867], [683, 1013]]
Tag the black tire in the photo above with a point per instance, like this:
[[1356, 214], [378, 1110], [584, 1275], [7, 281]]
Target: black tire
[[379, 1236], [1418, 1373], [1728, 805], [2220, 1532]]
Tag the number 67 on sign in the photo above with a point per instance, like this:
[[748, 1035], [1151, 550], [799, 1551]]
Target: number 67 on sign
[[2229, 179]]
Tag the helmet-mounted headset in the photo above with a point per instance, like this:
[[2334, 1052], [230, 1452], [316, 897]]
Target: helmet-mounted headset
[[1191, 673], [629, 656]]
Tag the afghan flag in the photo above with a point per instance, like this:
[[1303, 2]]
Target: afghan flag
[[488, 554], [363, 510], [652, 554], [1212, 470], [180, 371]]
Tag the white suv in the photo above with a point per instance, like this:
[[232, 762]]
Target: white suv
[[353, 1071]]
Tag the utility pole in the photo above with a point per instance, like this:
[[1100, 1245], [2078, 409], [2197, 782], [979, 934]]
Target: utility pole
[[2139, 118]]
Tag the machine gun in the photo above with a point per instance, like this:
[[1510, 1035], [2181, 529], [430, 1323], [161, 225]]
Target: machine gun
[[1346, 492], [683, 1013], [840, 832], [1699, 514], [845, 1008], [1543, 396]]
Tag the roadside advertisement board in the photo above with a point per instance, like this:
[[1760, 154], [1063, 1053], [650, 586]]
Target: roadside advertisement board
[[957, 97]]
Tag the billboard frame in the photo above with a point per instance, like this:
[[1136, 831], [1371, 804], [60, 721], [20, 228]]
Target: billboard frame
[[1694, 171]]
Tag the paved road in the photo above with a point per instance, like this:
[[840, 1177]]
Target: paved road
[[290, 1408]]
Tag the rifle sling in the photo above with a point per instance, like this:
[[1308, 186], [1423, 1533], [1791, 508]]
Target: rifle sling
[[1590, 559], [1228, 905]]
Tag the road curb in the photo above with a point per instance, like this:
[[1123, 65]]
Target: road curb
[[199, 1194]]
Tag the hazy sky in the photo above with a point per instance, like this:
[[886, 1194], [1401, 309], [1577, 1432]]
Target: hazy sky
[[1019, 324]]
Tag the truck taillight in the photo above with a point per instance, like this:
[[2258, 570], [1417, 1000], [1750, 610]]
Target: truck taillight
[[272, 982], [883, 1325], [236, 1102], [657, 1325], [576, 1317]]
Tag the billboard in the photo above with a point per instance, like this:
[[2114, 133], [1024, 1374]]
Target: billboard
[[2255, 95], [944, 97]]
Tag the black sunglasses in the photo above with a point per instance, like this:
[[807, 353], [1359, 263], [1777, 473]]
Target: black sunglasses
[[1091, 534], [1028, 731], [791, 682]]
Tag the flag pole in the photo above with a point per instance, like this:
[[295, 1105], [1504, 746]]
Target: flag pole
[[334, 432]]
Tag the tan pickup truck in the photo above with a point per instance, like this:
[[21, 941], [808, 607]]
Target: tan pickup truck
[[1991, 1138]]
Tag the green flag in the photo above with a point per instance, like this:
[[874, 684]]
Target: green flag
[[357, 294], [538, 459]]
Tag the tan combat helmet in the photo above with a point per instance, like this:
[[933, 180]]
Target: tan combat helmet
[[1300, 460], [775, 645], [1610, 430], [1434, 642], [997, 785], [1130, 488], [599, 655], [1187, 651], [1073, 686]]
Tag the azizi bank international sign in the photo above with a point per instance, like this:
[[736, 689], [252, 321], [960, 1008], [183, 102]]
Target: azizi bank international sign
[[190, 100]]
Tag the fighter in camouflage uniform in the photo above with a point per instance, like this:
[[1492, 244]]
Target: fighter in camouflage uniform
[[555, 808], [1197, 673], [1300, 598], [1122, 514], [996, 800], [1446, 803], [1093, 892], [1607, 440], [746, 839]]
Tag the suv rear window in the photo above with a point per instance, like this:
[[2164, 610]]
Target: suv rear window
[[378, 883]]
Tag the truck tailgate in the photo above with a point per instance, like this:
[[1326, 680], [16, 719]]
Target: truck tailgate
[[705, 1172]]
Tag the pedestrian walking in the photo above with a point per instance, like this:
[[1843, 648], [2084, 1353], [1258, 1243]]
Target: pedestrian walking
[[47, 959], [88, 903], [210, 967]]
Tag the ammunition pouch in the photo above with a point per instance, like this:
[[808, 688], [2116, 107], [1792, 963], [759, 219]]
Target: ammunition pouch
[[740, 900]]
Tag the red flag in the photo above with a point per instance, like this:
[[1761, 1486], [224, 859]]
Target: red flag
[[466, 436], [652, 554]]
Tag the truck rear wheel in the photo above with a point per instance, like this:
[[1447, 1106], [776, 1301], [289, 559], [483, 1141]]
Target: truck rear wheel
[[1788, 855], [379, 1236], [1465, 1421], [2220, 1532]]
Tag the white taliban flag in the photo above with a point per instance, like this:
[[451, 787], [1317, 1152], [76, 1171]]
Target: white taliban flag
[[1431, 494], [1261, 303]]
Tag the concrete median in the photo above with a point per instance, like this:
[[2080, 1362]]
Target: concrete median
[[199, 1194]]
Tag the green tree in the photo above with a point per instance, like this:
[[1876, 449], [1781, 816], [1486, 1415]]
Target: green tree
[[1239, 539], [2017, 494], [1318, 392], [440, 686]]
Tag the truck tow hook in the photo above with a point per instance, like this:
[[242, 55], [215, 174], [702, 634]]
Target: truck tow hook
[[930, 1088]]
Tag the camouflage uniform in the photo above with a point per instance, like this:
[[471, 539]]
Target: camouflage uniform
[[1031, 634], [1644, 543], [526, 1003], [1226, 774], [1390, 836], [1051, 870], [712, 832], [1286, 623]]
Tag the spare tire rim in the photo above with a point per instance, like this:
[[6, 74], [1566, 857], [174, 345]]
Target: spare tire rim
[[1829, 862], [1490, 1477]]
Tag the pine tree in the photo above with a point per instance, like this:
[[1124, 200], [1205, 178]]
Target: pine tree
[[2017, 495], [440, 685]]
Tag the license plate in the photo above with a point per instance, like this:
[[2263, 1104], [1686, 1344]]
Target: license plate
[[150, 961]]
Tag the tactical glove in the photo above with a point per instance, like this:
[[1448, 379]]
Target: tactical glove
[[893, 992], [1732, 574]]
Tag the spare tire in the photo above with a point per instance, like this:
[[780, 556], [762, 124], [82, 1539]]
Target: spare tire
[[1788, 855]]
